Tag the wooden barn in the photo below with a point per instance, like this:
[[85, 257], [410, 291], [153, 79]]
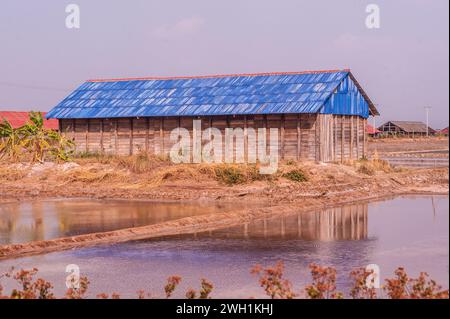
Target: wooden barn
[[406, 128], [320, 115]]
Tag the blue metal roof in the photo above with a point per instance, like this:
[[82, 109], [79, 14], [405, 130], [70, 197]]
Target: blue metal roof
[[273, 93]]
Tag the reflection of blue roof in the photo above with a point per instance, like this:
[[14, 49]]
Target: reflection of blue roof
[[272, 93]]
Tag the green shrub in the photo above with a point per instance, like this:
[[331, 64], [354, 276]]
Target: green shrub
[[230, 175], [296, 175]]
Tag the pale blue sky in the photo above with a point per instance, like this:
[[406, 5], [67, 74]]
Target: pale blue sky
[[403, 65]]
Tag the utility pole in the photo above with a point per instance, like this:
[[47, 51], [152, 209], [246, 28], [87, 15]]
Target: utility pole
[[427, 109]]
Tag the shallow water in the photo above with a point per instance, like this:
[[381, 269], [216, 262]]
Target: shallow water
[[43, 220], [407, 231]]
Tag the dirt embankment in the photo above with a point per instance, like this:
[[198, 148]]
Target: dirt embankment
[[387, 146], [296, 187]]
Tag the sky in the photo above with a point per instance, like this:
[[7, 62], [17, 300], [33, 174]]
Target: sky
[[403, 65]]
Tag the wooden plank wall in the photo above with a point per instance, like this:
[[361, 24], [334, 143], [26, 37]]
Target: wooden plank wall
[[320, 137]]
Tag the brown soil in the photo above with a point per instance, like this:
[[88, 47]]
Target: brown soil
[[327, 185], [398, 145]]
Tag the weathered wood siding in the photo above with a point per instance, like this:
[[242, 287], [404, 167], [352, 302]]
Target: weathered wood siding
[[320, 137]]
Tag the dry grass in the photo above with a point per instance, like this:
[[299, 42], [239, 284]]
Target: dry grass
[[228, 174], [143, 170], [93, 175], [159, 170], [175, 172], [138, 163], [370, 166], [141, 163], [12, 174]]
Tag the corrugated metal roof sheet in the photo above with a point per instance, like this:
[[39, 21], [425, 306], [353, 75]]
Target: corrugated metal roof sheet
[[18, 119], [268, 93]]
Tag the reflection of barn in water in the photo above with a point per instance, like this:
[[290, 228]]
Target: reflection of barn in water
[[341, 223], [42, 220]]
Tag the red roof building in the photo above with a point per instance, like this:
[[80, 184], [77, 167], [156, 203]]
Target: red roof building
[[372, 130], [18, 119], [444, 131]]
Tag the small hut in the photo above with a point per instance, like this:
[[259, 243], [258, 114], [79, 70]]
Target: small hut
[[406, 128]]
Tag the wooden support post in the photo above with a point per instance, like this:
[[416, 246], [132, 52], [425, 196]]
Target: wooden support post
[[342, 137], [130, 151], [265, 131], [334, 137], [282, 127], [351, 136], [87, 136], [116, 136], [317, 139], [299, 138], [365, 138], [245, 139], [178, 130], [102, 147], [147, 133], [357, 137], [161, 136], [210, 123], [73, 129]]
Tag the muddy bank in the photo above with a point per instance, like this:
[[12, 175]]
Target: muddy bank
[[195, 183]]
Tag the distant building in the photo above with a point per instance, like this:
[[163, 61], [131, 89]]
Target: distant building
[[372, 131], [405, 128], [319, 115], [443, 132], [18, 119]]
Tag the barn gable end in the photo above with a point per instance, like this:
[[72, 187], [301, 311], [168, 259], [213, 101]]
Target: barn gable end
[[347, 99]]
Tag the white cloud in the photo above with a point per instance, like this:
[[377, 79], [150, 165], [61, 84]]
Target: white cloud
[[182, 27]]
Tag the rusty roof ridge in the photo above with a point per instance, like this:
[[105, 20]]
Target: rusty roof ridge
[[216, 76]]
